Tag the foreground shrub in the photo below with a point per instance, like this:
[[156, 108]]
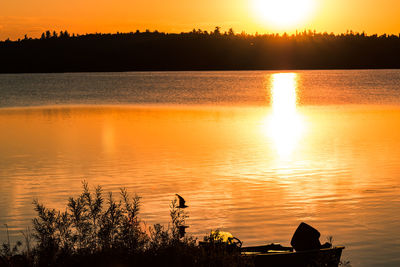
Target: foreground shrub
[[98, 231]]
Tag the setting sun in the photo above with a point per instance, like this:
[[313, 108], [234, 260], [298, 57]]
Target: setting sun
[[284, 13]]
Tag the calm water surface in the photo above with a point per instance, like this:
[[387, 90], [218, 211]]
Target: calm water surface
[[254, 153]]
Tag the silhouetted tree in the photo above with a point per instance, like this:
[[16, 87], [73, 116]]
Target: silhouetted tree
[[199, 50], [217, 30]]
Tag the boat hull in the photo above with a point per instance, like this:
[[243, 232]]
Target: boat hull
[[327, 257]]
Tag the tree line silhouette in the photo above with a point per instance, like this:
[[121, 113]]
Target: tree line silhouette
[[198, 50]]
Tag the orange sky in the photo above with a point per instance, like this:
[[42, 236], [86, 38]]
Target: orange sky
[[32, 17]]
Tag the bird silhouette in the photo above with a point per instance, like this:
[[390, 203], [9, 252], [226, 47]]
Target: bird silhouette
[[181, 202]]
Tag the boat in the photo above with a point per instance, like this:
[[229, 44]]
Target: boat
[[275, 255], [306, 250]]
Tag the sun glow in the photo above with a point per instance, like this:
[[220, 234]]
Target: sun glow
[[284, 13], [284, 125]]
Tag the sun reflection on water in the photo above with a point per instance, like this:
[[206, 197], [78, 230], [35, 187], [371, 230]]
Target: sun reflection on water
[[284, 125]]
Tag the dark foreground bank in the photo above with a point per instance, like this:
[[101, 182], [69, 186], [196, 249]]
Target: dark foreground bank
[[198, 50], [98, 231]]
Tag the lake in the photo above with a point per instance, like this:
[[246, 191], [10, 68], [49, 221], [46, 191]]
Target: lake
[[253, 152]]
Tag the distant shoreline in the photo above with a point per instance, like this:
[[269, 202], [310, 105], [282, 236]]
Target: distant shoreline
[[194, 70], [198, 51]]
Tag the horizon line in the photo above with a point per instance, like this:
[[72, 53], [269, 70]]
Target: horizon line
[[309, 32]]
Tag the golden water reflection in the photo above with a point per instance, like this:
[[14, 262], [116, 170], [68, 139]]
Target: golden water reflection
[[284, 125], [341, 175]]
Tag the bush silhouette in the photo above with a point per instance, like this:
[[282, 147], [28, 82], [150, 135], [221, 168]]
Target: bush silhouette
[[94, 230]]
